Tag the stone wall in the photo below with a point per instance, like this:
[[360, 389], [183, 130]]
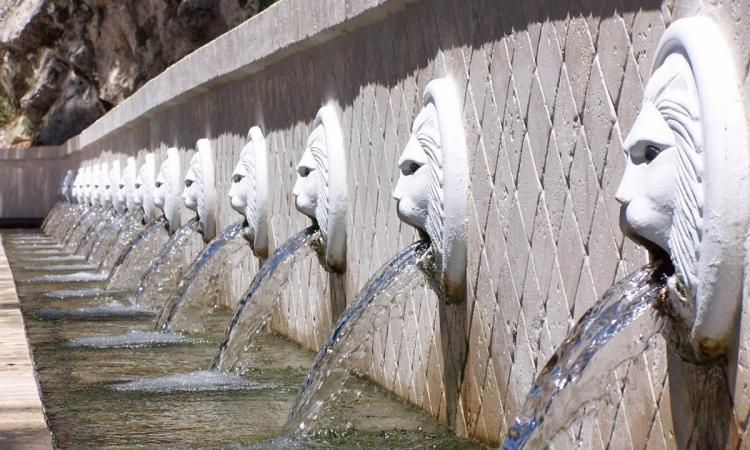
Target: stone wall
[[548, 90]]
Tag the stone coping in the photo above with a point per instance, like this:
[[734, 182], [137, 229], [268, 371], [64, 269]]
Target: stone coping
[[286, 28], [22, 422]]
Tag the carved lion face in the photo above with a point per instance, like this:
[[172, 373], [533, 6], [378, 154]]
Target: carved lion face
[[310, 174], [167, 188], [685, 188], [241, 181], [144, 186], [661, 192], [419, 164], [192, 190], [161, 189]]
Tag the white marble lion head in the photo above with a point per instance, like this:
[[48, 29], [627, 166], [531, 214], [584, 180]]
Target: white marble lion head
[[143, 189], [167, 188], [248, 193], [320, 189], [432, 189], [684, 192], [199, 194]]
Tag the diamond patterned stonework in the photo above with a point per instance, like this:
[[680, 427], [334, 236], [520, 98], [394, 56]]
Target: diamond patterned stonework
[[548, 91]]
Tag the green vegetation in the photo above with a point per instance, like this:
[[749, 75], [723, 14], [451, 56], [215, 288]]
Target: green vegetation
[[7, 111], [28, 126]]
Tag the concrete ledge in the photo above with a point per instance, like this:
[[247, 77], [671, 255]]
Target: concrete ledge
[[22, 423]]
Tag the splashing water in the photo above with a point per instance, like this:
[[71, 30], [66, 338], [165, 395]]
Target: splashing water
[[75, 277], [54, 215], [56, 258], [346, 345], [256, 306], [107, 235], [75, 293], [128, 269], [199, 381], [192, 296], [617, 329], [96, 232], [133, 339], [124, 240], [163, 274], [61, 267], [109, 311], [81, 226]]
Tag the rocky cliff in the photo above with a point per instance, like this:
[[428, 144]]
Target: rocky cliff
[[63, 63]]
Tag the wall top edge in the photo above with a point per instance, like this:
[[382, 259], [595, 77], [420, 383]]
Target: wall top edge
[[287, 27], [34, 153]]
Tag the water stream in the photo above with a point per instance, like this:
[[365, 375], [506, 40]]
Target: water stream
[[131, 264], [347, 343], [617, 329], [199, 286], [108, 234], [127, 396], [165, 270], [98, 230], [256, 306]]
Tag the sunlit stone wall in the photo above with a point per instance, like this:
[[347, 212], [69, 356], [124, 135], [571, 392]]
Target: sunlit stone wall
[[548, 90]]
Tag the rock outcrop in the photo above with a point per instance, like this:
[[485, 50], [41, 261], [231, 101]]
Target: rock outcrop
[[63, 63]]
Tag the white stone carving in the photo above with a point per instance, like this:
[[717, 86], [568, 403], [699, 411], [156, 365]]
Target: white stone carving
[[249, 191], [101, 179], [66, 185], [89, 188], [110, 198], [144, 187], [686, 184], [77, 190], [167, 188], [320, 190], [83, 193], [126, 187], [200, 188], [433, 187]]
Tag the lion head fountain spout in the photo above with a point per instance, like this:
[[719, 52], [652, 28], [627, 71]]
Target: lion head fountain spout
[[111, 197], [143, 189], [126, 188], [320, 189], [200, 190], [100, 180], [167, 189], [66, 185], [89, 184], [684, 193], [248, 194], [77, 187], [432, 190]]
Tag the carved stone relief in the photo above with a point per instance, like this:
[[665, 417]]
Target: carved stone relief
[[126, 187], [101, 180], [110, 197], [685, 189], [76, 190], [200, 188], [248, 193], [66, 186], [432, 190], [322, 197], [144, 187], [167, 188]]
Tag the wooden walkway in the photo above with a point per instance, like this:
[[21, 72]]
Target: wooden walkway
[[22, 424]]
